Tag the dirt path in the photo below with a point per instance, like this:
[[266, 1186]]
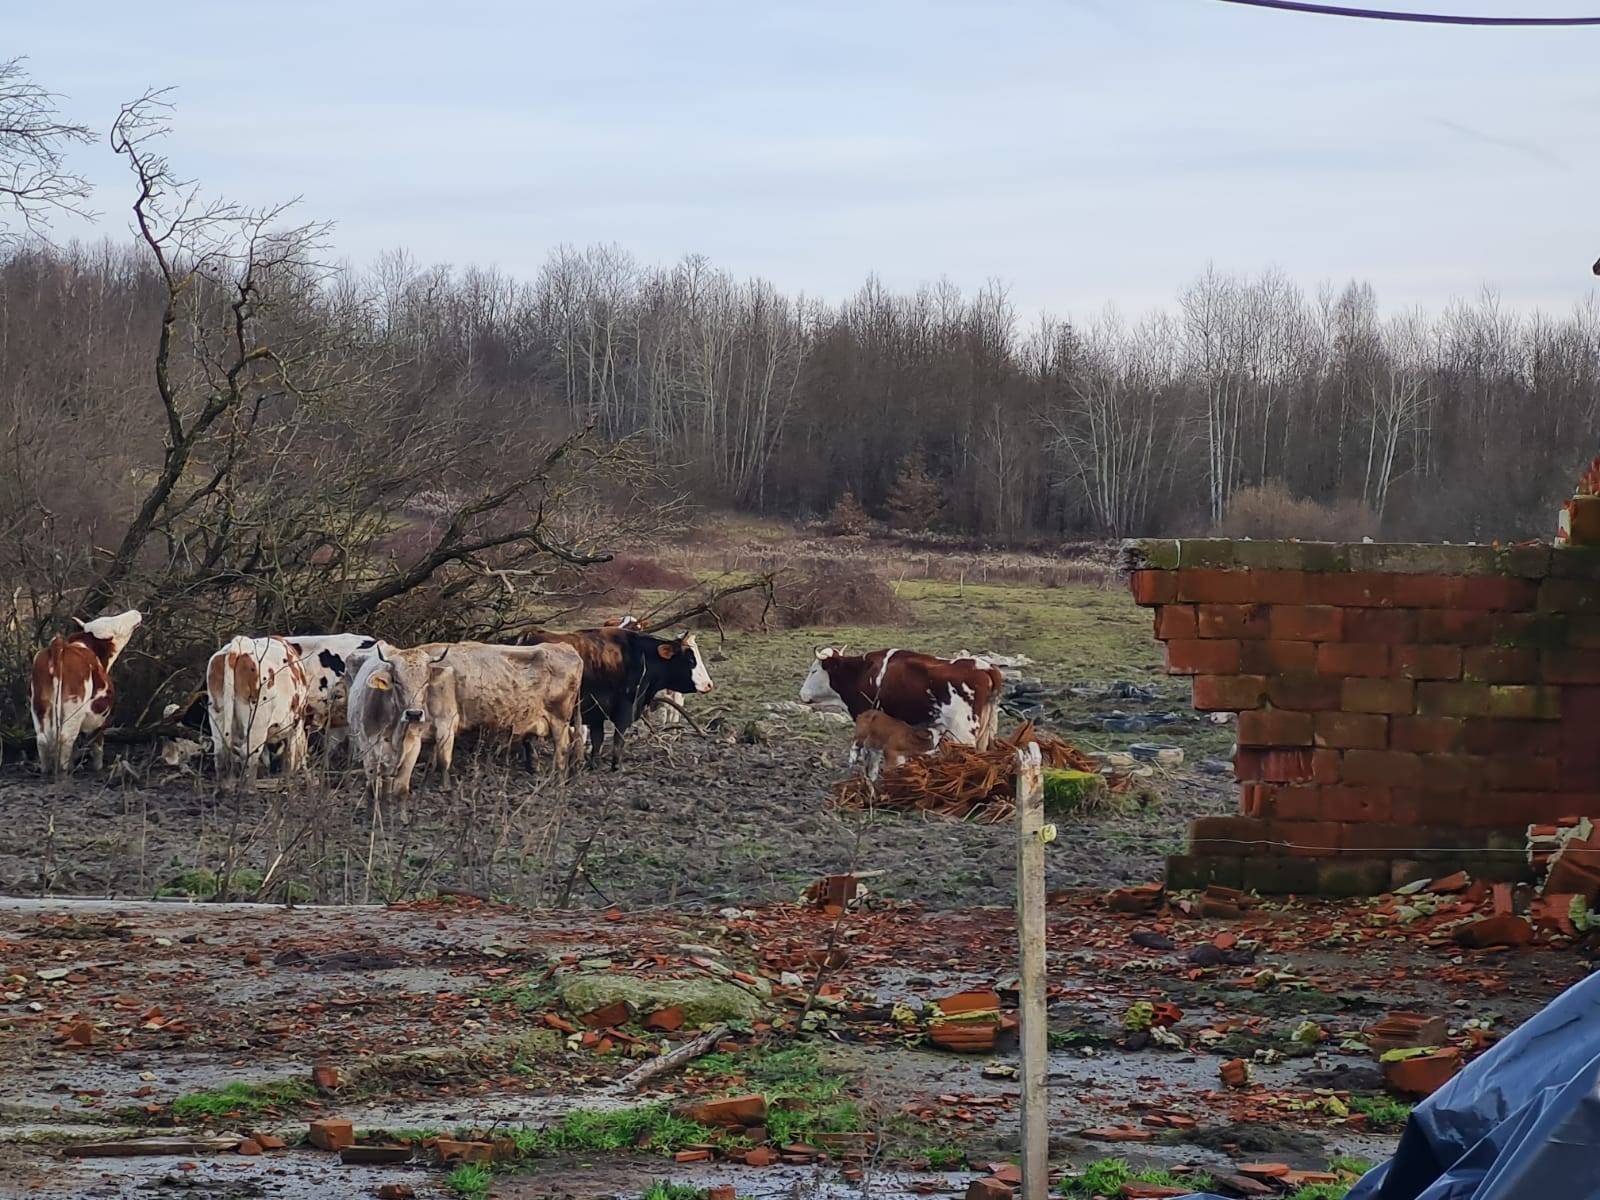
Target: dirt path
[[435, 1017]]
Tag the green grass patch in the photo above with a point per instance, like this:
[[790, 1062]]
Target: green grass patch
[[801, 1093], [590, 1131], [1106, 1177], [246, 1099], [944, 1158], [663, 1190], [1382, 1113], [469, 1179]]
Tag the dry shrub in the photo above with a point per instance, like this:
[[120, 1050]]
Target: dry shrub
[[811, 593], [847, 517], [1271, 512], [631, 572]]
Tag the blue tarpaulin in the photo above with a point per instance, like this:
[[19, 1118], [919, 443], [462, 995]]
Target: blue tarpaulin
[[1522, 1122]]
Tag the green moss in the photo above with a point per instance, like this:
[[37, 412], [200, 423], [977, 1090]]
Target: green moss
[[704, 1001], [245, 1099], [1383, 1114], [1067, 792]]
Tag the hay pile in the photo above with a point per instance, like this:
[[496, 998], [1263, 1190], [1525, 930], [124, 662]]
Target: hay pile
[[960, 781]]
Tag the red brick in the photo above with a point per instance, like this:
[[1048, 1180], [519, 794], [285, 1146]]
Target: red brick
[[1290, 802], [1386, 625], [1216, 587], [1498, 593], [735, 1110], [1453, 699], [1351, 731], [1254, 798], [1383, 768], [1278, 658], [1304, 693], [1499, 664], [1330, 803], [1378, 695], [1427, 735], [1451, 772], [1286, 766], [1272, 727], [1153, 587], [1454, 627], [1228, 693], [1307, 839], [1524, 702], [1378, 837], [1203, 657], [1583, 632], [1307, 623], [1427, 591], [330, 1133], [1176, 622], [1357, 590], [1427, 662], [1353, 658], [1522, 773], [1568, 596], [1284, 587], [1572, 666], [1486, 735], [1232, 620], [1248, 764], [1231, 837]]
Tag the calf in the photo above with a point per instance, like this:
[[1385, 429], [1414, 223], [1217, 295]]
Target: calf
[[257, 696], [961, 698], [883, 743], [623, 671], [520, 692], [70, 692]]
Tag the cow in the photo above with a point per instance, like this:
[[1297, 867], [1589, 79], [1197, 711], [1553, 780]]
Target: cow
[[390, 694], [518, 692], [191, 716], [959, 697], [323, 658], [70, 692], [623, 671], [666, 710], [257, 696], [883, 743]]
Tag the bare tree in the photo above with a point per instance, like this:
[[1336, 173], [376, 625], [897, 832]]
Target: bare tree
[[35, 181]]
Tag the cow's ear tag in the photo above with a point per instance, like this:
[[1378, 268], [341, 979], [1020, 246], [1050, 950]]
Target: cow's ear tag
[[379, 682], [666, 649]]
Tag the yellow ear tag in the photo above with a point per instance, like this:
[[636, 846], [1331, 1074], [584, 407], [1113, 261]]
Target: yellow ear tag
[[379, 682], [1047, 834]]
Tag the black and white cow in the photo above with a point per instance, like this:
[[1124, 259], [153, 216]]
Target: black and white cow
[[324, 657], [623, 671]]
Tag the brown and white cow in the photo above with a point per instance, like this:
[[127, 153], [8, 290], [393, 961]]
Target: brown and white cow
[[960, 697], [257, 695], [70, 692], [883, 742]]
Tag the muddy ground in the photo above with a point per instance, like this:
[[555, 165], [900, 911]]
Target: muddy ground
[[435, 1016]]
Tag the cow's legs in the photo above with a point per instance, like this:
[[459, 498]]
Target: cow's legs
[[444, 752], [616, 747], [595, 723], [97, 753]]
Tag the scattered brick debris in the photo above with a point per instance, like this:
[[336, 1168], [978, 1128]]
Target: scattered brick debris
[[1423, 1074], [330, 1133]]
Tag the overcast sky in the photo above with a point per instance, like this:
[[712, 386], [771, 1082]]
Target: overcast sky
[[1081, 151]]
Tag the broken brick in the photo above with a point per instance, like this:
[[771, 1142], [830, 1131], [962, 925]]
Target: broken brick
[[1405, 1031], [396, 1191], [963, 1003], [330, 1133], [325, 1077], [761, 1156], [1140, 899], [1423, 1074], [1503, 929], [988, 1189], [692, 1156], [1152, 1191], [450, 1150], [724, 1191], [248, 1147], [615, 1013], [374, 1155], [1235, 1073], [665, 1020], [729, 1113], [1266, 1170]]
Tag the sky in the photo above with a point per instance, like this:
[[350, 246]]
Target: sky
[[1080, 152]]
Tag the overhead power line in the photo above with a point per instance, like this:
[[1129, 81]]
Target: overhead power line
[[1377, 14]]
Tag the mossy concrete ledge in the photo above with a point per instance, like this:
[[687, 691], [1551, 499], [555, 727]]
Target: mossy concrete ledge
[[1384, 558]]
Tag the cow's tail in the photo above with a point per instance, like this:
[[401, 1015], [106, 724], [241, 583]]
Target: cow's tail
[[52, 730], [990, 728]]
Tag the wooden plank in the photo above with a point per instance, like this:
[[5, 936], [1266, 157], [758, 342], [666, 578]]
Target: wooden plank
[[1030, 938]]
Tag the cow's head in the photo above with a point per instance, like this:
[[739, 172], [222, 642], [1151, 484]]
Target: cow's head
[[685, 669], [818, 687], [112, 632], [397, 685]]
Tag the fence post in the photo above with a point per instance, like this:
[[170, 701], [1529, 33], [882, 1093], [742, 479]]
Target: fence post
[[1031, 839]]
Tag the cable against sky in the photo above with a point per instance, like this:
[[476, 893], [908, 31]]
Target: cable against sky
[[1376, 14]]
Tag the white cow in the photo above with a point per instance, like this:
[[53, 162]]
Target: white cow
[[70, 689]]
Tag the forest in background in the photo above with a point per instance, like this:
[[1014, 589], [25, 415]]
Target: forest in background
[[1247, 406]]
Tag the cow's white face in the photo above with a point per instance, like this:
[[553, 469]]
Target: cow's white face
[[701, 676], [818, 688], [116, 630]]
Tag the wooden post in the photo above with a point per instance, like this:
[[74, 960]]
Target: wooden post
[[1031, 839]]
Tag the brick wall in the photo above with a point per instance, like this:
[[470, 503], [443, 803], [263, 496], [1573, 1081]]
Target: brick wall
[[1404, 710]]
